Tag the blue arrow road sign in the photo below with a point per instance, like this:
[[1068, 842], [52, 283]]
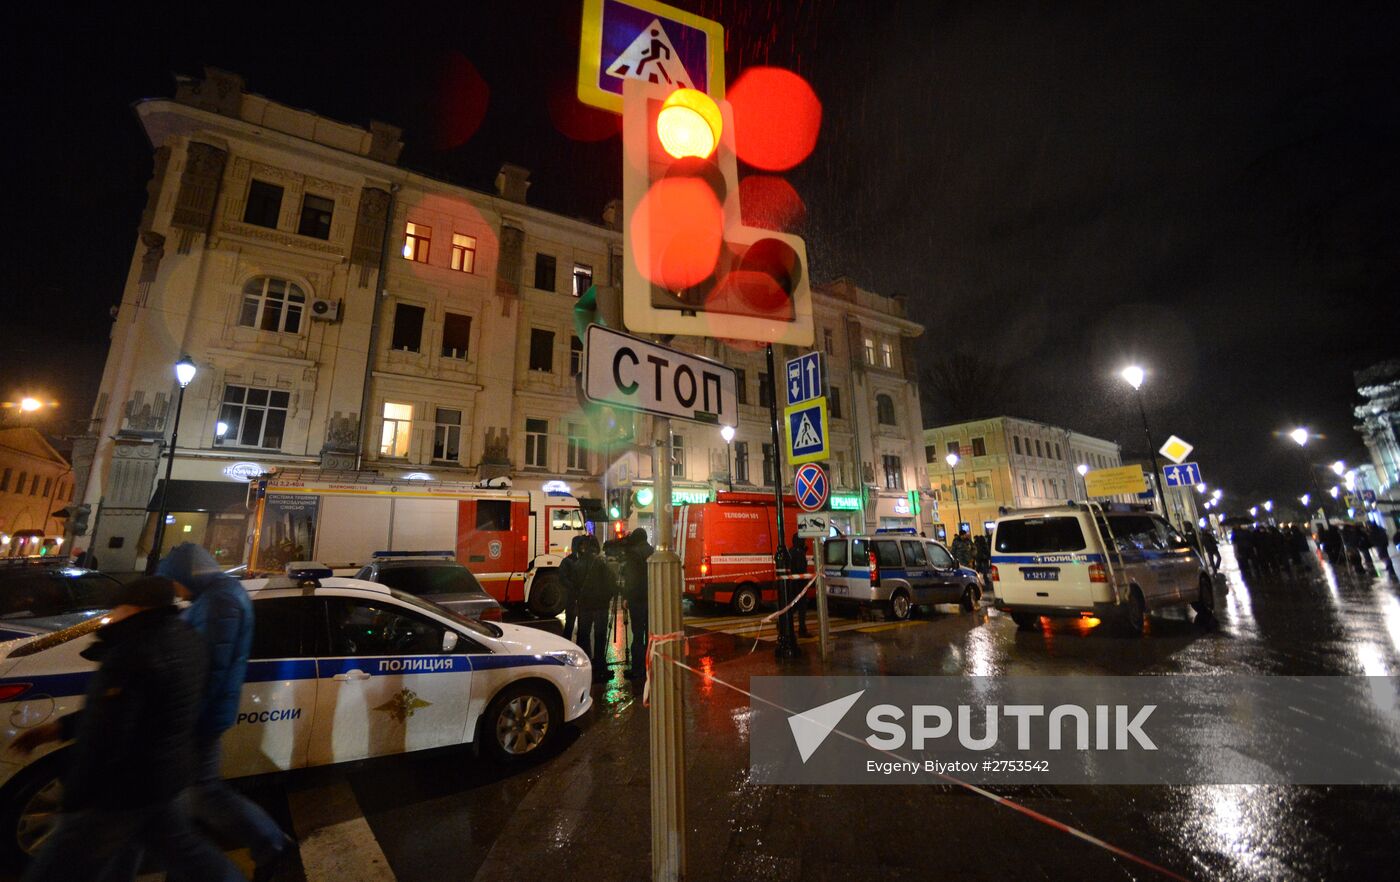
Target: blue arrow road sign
[[804, 378], [1187, 474], [810, 486]]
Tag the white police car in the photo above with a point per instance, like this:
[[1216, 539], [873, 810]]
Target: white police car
[[340, 669]]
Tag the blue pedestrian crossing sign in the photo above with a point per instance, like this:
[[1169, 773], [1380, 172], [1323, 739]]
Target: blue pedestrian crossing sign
[[804, 378], [1187, 474], [810, 486], [806, 431]]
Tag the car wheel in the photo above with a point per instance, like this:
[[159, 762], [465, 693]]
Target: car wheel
[[520, 721], [1134, 613], [547, 595], [969, 599], [1026, 621], [745, 599], [899, 607], [31, 810], [1205, 605]]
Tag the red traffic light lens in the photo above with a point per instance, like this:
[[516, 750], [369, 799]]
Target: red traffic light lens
[[677, 232]]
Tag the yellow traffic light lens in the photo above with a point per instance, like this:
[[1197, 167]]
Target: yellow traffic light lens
[[689, 124]]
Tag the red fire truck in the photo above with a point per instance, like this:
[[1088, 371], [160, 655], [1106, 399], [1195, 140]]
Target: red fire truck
[[512, 540], [727, 548]]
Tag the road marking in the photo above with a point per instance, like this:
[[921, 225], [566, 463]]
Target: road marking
[[888, 626], [337, 844]]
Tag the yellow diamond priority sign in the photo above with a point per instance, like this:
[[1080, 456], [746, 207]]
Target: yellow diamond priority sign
[[1176, 450]]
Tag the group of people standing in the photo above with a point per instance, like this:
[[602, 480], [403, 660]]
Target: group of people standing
[[1269, 550], [595, 577]]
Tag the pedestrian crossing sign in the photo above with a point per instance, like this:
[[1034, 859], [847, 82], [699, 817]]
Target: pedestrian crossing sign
[[806, 431], [648, 41]]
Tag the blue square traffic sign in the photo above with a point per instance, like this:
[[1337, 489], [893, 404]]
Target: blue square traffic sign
[[1187, 474], [803, 378]]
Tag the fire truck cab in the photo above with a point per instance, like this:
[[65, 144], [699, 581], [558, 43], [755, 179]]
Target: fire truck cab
[[511, 540], [727, 546]]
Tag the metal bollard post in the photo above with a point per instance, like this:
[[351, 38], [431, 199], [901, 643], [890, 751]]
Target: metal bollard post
[[665, 583], [823, 618]]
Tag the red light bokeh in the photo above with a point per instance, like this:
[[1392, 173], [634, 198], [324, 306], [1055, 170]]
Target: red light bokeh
[[576, 120], [776, 118], [463, 97], [752, 293], [682, 224], [770, 202]]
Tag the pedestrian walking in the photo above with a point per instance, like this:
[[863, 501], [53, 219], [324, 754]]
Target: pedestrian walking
[[1381, 543], [635, 587], [797, 566], [133, 761], [1212, 549], [568, 575], [221, 612], [597, 587]]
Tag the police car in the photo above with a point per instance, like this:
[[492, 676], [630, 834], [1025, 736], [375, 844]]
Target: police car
[[1112, 562], [896, 570], [340, 669]]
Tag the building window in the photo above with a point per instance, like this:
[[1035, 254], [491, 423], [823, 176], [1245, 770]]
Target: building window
[[741, 385], [765, 391], [1057, 452], [456, 335], [447, 435], [416, 239], [887, 354], [833, 402], [741, 462], [544, 272], [19, 485], [952, 447], [894, 472], [678, 456], [255, 417], [884, 410], [576, 457], [316, 214], [537, 444], [1016, 439], [575, 356], [264, 204], [34, 486], [1023, 486], [398, 423], [828, 341], [869, 351], [541, 350], [768, 464], [979, 447], [48, 486], [930, 451], [272, 305], [408, 327], [583, 278], [838, 469], [463, 253], [1037, 447], [5, 481]]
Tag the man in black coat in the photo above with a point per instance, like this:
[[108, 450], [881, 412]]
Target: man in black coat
[[634, 591], [133, 761], [597, 588]]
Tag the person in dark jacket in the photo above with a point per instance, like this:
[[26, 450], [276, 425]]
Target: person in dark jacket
[[797, 566], [962, 549], [568, 575], [1212, 549], [133, 761], [222, 613], [597, 587], [1381, 543], [635, 591]]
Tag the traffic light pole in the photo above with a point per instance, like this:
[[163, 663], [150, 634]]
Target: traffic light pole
[[787, 637], [1152, 450], [664, 586]]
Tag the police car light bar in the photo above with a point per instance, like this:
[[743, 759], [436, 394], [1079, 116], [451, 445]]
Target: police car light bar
[[380, 555], [308, 569]]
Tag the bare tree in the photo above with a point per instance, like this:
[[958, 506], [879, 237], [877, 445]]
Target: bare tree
[[967, 385]]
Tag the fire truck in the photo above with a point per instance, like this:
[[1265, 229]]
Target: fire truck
[[511, 540], [727, 546]]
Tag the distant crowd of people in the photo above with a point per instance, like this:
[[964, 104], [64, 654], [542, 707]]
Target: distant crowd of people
[[1272, 550]]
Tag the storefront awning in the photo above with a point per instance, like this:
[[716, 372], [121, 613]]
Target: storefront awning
[[215, 496]]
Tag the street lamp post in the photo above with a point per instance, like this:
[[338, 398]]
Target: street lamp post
[[1083, 469], [952, 459], [727, 433], [184, 375], [1301, 436], [1134, 376]]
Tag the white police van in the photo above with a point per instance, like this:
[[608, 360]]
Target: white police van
[[340, 669], [1112, 562]]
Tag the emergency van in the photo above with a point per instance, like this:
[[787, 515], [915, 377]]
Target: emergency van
[[727, 546], [511, 540]]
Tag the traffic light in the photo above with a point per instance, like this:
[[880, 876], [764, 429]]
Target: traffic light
[[80, 519], [692, 266], [619, 504]]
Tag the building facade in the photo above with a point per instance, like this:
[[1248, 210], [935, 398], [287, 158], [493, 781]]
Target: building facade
[[350, 315], [1378, 421], [35, 483], [1008, 462]]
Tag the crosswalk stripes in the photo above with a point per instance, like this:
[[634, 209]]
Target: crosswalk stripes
[[753, 627]]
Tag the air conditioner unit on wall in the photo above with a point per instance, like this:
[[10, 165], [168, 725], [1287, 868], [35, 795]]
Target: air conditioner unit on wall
[[325, 310]]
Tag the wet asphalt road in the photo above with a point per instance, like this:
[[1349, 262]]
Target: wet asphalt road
[[583, 809]]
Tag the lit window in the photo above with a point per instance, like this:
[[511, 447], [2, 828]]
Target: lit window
[[415, 242], [678, 456], [536, 444], [456, 335], [463, 253], [447, 435], [583, 278], [869, 351], [894, 473], [887, 355], [316, 214], [576, 456], [264, 204], [272, 305], [398, 424], [255, 417]]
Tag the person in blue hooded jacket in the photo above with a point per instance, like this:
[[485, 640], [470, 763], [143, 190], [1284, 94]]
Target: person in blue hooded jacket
[[222, 613]]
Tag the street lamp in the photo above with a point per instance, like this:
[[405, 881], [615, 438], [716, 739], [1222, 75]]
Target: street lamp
[[1339, 468], [1254, 511], [29, 405], [1305, 498], [727, 433], [1300, 436], [1083, 469], [1134, 376], [1201, 489], [1268, 505], [184, 375], [952, 459]]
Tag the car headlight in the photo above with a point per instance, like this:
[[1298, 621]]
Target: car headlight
[[574, 658]]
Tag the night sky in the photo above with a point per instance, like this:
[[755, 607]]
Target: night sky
[[1058, 187]]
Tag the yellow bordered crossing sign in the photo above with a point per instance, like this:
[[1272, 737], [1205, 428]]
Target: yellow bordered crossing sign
[[648, 41], [806, 432]]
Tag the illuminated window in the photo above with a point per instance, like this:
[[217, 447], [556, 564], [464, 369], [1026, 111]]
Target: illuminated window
[[536, 444], [678, 456], [583, 278], [264, 204], [463, 253], [272, 305], [456, 335], [316, 214], [887, 354], [869, 351], [447, 435], [416, 239], [398, 424], [894, 472], [255, 417]]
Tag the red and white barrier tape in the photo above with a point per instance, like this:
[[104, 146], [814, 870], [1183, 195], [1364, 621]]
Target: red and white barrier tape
[[654, 643], [767, 575]]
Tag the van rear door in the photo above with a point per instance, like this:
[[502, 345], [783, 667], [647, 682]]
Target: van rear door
[[1040, 561]]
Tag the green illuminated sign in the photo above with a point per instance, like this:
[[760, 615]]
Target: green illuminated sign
[[683, 496], [841, 502], [644, 497]]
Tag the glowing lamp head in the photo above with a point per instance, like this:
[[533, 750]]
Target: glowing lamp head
[[185, 371], [29, 405], [1269, 505], [952, 459], [1253, 510], [1134, 375], [1201, 489], [1300, 436], [727, 433], [1305, 499], [1082, 468], [689, 124], [1339, 468], [1216, 494], [1335, 491]]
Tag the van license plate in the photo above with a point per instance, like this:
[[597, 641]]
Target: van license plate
[[1040, 574], [836, 589]]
